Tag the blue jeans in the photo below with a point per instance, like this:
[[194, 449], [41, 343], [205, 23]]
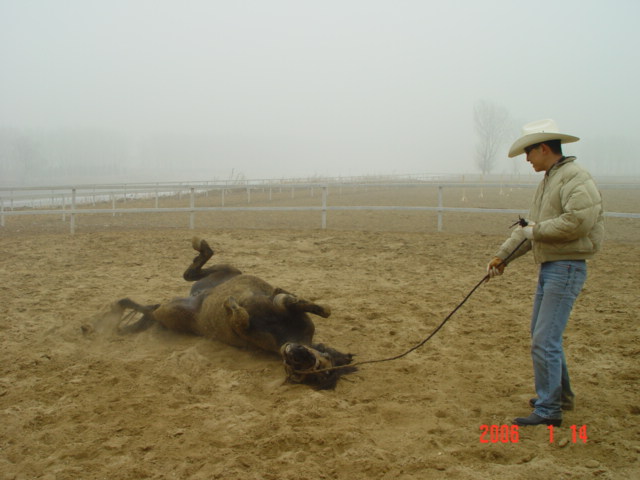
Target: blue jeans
[[559, 284]]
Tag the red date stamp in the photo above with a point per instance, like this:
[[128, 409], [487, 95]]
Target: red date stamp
[[499, 434], [578, 433], [511, 433]]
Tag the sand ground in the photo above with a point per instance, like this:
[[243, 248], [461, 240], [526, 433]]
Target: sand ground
[[160, 405]]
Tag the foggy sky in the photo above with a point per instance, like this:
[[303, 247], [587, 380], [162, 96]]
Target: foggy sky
[[288, 88]]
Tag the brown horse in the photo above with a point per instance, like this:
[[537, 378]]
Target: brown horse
[[247, 312]]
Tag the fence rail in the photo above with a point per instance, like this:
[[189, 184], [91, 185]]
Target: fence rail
[[21, 201]]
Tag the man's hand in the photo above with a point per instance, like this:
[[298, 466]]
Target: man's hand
[[495, 267]]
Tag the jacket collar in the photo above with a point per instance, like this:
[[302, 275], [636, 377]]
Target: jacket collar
[[563, 161]]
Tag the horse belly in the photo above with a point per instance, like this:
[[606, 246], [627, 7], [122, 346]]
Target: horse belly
[[213, 321], [177, 315]]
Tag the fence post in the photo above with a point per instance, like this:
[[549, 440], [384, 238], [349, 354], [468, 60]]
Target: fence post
[[324, 207], [440, 208], [72, 223], [1, 212], [248, 194], [192, 203], [464, 191], [64, 207]]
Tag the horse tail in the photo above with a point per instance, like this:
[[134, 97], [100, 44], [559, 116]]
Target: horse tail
[[143, 323]]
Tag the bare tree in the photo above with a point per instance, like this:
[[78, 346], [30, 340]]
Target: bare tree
[[493, 124]]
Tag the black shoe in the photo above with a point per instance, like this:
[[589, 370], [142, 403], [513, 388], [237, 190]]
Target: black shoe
[[534, 419], [567, 403]]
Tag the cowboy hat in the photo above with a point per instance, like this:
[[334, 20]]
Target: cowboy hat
[[538, 132]]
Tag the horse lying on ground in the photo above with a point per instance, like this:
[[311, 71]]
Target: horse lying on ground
[[245, 311]]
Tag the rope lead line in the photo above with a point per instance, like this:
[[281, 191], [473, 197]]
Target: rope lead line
[[388, 359]]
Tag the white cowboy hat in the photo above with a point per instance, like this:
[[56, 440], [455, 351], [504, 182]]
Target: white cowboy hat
[[538, 132]]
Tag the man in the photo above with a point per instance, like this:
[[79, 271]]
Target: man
[[565, 227]]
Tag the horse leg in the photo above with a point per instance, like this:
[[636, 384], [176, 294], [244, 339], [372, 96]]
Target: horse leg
[[290, 302], [178, 315], [194, 271], [206, 278]]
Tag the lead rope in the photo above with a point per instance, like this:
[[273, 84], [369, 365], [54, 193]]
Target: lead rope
[[522, 222]]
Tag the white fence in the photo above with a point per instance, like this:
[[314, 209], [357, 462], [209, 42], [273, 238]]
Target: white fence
[[34, 200]]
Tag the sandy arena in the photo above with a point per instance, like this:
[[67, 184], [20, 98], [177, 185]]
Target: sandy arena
[[159, 405]]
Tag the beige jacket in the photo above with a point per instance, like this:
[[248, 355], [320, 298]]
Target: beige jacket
[[568, 215]]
